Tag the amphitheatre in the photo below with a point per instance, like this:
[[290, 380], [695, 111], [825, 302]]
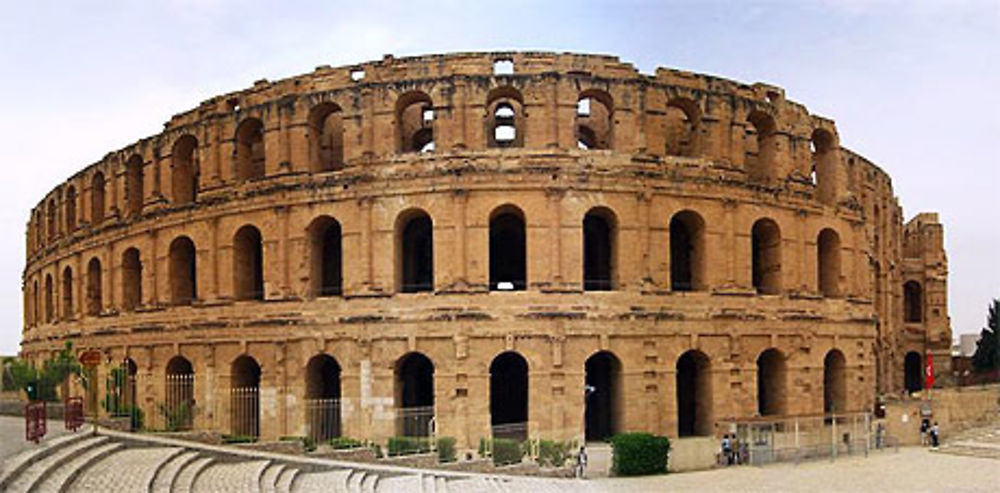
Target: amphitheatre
[[523, 244]]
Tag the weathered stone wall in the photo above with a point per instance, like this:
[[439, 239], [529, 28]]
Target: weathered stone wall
[[954, 409]]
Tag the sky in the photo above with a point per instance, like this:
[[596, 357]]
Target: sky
[[914, 85]]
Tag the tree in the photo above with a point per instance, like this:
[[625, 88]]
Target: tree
[[43, 382], [987, 356]]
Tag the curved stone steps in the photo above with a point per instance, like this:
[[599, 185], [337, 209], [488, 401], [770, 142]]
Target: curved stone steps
[[411, 482], [184, 483], [471, 485], [165, 477], [142, 464], [59, 455], [269, 480], [60, 478], [237, 477], [327, 481], [286, 480], [369, 483], [15, 465]]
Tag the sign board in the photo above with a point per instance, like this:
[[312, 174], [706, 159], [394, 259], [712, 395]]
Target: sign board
[[90, 358]]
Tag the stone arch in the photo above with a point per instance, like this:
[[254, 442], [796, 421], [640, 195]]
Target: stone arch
[[694, 394], [185, 170], [509, 396], [123, 392], [508, 249], [414, 394], [67, 293], [70, 209], [687, 251], [250, 151], [52, 219], [913, 372], [600, 232], [244, 403], [834, 382], [414, 251], [682, 127], [183, 271], [504, 117], [97, 184], [824, 164], [415, 122], [772, 397], [828, 263], [248, 264], [95, 297], [179, 393], [34, 303], [131, 279], [323, 397], [913, 302], [603, 393], [762, 147], [326, 137], [594, 120], [134, 185], [766, 256], [49, 307], [326, 257]]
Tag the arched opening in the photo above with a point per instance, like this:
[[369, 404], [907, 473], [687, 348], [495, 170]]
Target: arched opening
[[771, 376], [49, 308], [834, 382], [244, 393], [70, 209], [824, 163], [509, 396], [248, 264], [326, 257], [505, 118], [913, 372], [67, 293], [97, 199], [414, 395], [250, 150], [603, 395], [599, 235], [766, 257], [323, 397], [53, 219], [828, 263], [122, 389], [508, 250], [415, 122], [913, 303], [34, 303], [594, 122], [134, 185], [694, 395], [761, 146], [131, 279], [184, 174], [179, 390], [687, 252], [326, 138], [95, 298], [183, 271], [681, 127], [415, 256]]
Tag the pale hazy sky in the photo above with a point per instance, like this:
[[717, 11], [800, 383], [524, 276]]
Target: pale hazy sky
[[914, 85]]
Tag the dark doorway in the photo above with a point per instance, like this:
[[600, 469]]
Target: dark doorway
[[834, 382], [694, 395], [248, 264], [914, 372], [507, 251], [771, 395], [245, 397], [598, 251], [417, 254], [414, 395], [603, 392], [509, 396], [323, 397]]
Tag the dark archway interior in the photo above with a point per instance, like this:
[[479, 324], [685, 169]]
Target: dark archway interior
[[322, 378], [508, 389], [245, 397], [332, 282], [415, 381], [694, 394], [834, 382], [914, 372], [766, 246], [603, 395], [771, 397], [418, 255], [249, 269], [507, 252], [597, 253], [131, 279], [913, 308], [183, 270]]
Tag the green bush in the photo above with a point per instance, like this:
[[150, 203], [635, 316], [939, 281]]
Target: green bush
[[408, 445], [507, 451], [553, 453], [230, 439], [340, 443], [446, 449], [43, 382], [178, 417], [636, 454]]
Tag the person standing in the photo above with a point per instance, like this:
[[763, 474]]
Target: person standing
[[581, 462], [934, 435], [925, 426], [727, 450]]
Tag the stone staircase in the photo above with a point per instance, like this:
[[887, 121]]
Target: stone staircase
[[983, 442], [122, 463]]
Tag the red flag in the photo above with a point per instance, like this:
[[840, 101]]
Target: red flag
[[929, 371]]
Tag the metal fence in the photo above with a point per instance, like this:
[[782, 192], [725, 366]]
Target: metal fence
[[514, 431], [415, 421], [244, 411], [323, 419], [798, 438], [177, 412]]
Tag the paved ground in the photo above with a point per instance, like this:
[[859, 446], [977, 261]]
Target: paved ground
[[12, 435]]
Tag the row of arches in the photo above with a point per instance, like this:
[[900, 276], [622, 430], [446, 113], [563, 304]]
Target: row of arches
[[414, 260]]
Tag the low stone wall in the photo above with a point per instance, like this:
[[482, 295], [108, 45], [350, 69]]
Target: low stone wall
[[693, 453], [15, 407], [360, 454], [954, 409]]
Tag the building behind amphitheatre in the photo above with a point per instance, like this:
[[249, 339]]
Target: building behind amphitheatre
[[526, 244]]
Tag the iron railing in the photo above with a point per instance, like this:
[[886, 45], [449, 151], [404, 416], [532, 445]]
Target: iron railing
[[322, 419]]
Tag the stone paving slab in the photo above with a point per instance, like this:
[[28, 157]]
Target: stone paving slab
[[132, 469]]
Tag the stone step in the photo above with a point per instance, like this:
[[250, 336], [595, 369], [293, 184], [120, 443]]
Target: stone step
[[409, 483], [269, 480], [327, 481], [141, 464], [354, 481], [184, 483], [38, 469], [236, 477], [164, 480], [470, 485], [285, 482], [61, 478], [370, 483], [14, 466]]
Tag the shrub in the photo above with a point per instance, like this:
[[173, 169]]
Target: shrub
[[340, 443], [408, 445], [178, 417], [230, 439], [446, 449], [506, 451], [553, 453], [636, 454]]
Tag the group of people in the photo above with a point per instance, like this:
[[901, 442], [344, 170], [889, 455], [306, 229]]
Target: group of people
[[929, 434], [733, 451]]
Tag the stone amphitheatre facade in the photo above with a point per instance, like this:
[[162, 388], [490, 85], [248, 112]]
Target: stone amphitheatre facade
[[530, 244]]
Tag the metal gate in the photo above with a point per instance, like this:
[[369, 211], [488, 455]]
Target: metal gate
[[178, 412], [244, 411], [323, 419], [415, 421]]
